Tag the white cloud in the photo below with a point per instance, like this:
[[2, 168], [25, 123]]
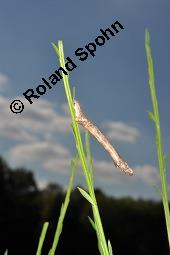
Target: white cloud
[[36, 129], [47, 154], [148, 174], [60, 164], [57, 158], [3, 81], [120, 131], [106, 172], [37, 120]]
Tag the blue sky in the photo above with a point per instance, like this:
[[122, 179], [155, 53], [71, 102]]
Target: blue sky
[[112, 88]]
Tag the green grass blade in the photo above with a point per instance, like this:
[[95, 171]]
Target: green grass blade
[[110, 248], [81, 153], [151, 116], [42, 238], [64, 206], [101, 249], [155, 116], [55, 49], [86, 196], [92, 223]]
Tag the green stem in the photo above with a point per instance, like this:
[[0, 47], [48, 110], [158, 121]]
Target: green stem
[[101, 236], [156, 120], [42, 238], [64, 206]]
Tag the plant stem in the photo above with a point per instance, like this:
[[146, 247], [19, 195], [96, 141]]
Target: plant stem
[[100, 232], [42, 238], [155, 118], [64, 206]]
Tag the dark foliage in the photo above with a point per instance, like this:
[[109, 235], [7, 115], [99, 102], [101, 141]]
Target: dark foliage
[[133, 227]]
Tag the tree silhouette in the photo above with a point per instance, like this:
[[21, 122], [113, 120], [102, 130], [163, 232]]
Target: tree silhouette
[[133, 227]]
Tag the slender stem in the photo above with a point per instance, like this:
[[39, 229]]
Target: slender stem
[[42, 238], [155, 117], [100, 232], [64, 206]]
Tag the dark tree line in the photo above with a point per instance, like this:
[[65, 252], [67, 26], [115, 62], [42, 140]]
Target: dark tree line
[[133, 227]]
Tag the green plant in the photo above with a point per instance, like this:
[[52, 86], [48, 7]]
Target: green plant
[[154, 116], [64, 207], [104, 248], [63, 210], [42, 238]]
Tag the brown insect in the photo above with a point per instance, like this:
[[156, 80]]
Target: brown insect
[[101, 138]]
